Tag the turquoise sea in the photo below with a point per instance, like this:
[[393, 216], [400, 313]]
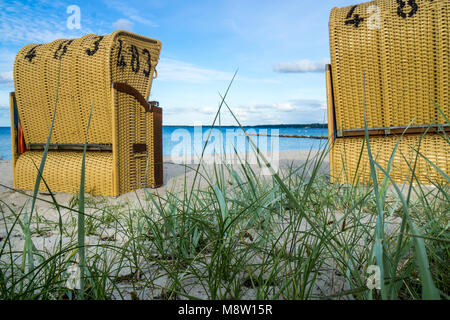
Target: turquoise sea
[[181, 140]]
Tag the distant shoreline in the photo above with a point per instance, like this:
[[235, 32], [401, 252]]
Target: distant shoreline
[[288, 126]]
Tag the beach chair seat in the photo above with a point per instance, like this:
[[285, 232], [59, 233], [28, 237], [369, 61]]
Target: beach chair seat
[[110, 75], [99, 171], [390, 67]]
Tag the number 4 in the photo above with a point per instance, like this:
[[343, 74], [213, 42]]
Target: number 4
[[373, 22], [356, 21]]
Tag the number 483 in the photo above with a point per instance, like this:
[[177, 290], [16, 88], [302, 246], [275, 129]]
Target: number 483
[[135, 59]]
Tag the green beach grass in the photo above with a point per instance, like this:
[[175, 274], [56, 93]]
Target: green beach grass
[[229, 233]]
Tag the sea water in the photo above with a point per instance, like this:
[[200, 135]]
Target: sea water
[[181, 140]]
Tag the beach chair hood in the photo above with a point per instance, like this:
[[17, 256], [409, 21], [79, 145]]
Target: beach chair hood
[[112, 74]]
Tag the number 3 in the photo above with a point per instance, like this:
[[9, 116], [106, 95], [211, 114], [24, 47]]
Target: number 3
[[96, 44], [149, 63]]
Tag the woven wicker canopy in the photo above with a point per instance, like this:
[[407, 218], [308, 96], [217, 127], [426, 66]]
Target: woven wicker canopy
[[389, 63], [113, 73]]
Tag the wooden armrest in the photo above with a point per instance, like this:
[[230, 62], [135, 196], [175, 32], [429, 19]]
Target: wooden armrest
[[126, 88]]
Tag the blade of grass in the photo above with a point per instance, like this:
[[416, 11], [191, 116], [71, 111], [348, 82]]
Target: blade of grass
[[27, 219], [429, 290], [81, 225]]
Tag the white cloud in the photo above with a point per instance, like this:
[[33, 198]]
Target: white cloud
[[302, 66], [174, 70], [299, 111], [5, 118], [206, 110], [289, 112], [131, 13], [25, 24], [309, 104], [123, 24], [286, 107], [180, 71], [142, 20], [7, 59], [6, 78]]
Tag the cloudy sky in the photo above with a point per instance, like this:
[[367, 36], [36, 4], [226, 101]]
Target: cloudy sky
[[279, 48]]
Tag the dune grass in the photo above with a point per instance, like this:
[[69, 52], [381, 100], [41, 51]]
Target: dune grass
[[234, 234]]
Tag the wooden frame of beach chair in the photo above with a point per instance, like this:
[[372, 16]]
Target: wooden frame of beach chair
[[389, 65], [112, 75]]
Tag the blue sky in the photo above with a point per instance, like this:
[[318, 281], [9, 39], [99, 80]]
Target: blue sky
[[280, 48]]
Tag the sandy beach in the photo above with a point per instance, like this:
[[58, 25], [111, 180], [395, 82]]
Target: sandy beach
[[175, 175], [151, 265], [46, 235]]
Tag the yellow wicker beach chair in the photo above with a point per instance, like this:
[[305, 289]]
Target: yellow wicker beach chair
[[113, 73], [389, 62]]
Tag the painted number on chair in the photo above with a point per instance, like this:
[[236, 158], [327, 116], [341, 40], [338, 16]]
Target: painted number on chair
[[62, 49], [134, 59], [402, 6], [31, 54], [92, 51], [405, 9], [134, 53], [121, 59], [356, 21], [149, 62]]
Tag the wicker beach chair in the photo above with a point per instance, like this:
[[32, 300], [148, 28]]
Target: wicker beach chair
[[389, 63], [112, 73]]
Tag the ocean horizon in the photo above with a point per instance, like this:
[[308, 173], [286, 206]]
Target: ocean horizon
[[183, 140]]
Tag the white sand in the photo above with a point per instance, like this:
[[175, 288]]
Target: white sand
[[174, 176]]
